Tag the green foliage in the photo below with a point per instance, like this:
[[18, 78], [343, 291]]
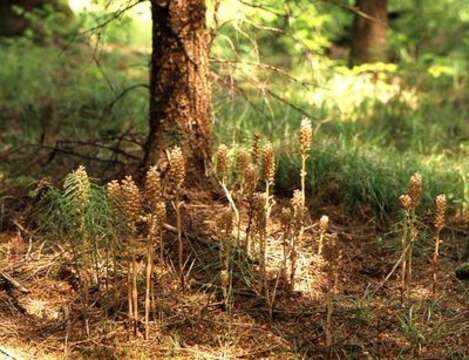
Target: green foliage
[[365, 163], [377, 123], [57, 216], [411, 329], [281, 31], [433, 28], [65, 94]]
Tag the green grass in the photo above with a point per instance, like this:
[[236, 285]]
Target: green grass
[[364, 150], [66, 94], [363, 163]]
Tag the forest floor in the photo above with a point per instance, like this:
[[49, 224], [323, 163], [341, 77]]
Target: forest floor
[[370, 322]]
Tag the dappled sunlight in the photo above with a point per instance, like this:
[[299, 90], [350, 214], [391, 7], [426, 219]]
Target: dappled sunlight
[[421, 293], [140, 12], [233, 179], [41, 309], [80, 5], [352, 93], [19, 350], [13, 352]]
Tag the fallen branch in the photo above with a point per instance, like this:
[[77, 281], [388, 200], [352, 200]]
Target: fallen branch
[[396, 265], [13, 282]]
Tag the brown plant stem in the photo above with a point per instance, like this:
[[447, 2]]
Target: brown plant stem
[[405, 251], [233, 207], [249, 225], [435, 262], [180, 243], [134, 293], [321, 243], [129, 292], [293, 257], [263, 235], [148, 287]]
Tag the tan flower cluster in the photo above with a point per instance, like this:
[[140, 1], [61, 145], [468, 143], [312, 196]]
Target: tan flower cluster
[[415, 189], [440, 212], [222, 161], [131, 200], [269, 163], [158, 217], [250, 179], [114, 196], [297, 201], [84, 188], [259, 200], [406, 201], [153, 188], [177, 166], [243, 160], [256, 148], [305, 137], [324, 224]]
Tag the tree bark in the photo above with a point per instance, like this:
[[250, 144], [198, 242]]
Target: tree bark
[[369, 38], [180, 103]]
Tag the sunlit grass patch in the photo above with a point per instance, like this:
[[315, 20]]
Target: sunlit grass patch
[[362, 164]]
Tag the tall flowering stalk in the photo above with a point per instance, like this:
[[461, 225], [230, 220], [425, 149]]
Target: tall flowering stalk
[[157, 213], [222, 163], [260, 229], [323, 228], [178, 173], [114, 199], [256, 147], [331, 256], [125, 202], [154, 197], [406, 203], [221, 172], [286, 218], [78, 189], [242, 163], [132, 206], [269, 175], [250, 179], [296, 204], [225, 227], [305, 138], [439, 223], [409, 203]]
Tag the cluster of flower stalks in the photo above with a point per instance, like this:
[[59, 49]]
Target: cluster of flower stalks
[[132, 207], [243, 226], [410, 232], [251, 194], [77, 188]]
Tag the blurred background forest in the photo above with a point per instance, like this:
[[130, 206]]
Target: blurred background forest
[[74, 89], [304, 240]]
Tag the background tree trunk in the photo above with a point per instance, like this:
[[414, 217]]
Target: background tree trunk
[[12, 23], [180, 104], [369, 40]]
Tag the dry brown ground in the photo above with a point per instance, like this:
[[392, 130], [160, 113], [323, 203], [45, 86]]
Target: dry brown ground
[[46, 323]]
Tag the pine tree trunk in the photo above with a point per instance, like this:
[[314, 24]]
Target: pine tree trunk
[[369, 40], [180, 104]]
